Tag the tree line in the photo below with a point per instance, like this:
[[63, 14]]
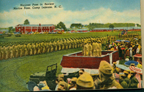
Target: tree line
[[90, 26]]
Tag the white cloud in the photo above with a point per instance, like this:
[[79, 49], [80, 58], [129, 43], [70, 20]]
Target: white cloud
[[54, 16]]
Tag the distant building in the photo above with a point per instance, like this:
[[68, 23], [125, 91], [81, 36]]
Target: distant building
[[3, 29], [34, 28], [82, 30], [58, 30], [116, 28]]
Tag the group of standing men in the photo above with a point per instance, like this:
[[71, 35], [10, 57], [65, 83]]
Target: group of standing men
[[92, 48]]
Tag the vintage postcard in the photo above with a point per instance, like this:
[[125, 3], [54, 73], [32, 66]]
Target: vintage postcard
[[63, 45]]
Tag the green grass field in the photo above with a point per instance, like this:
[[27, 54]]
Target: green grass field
[[41, 37], [14, 73]]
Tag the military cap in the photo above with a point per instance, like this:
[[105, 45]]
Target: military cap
[[105, 67], [85, 80]]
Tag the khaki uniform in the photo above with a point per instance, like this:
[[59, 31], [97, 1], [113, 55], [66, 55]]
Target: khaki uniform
[[20, 50], [105, 79], [47, 47], [34, 49], [133, 82], [86, 50], [62, 45], [51, 46], [72, 42], [66, 44], [16, 51], [95, 49], [6, 52], [39, 49], [59, 45], [55, 45], [81, 42], [1, 53], [75, 44], [90, 49], [25, 50], [99, 48], [30, 49]]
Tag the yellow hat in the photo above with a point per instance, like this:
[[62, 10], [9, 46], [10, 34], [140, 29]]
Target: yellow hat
[[126, 72], [105, 67], [74, 79], [114, 62], [62, 85], [132, 72], [85, 80], [60, 79], [61, 76]]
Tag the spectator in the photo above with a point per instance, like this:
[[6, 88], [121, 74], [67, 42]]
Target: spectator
[[59, 79], [73, 83], [62, 86], [105, 80], [133, 81], [85, 82]]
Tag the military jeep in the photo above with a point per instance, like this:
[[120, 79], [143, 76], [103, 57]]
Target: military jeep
[[49, 76]]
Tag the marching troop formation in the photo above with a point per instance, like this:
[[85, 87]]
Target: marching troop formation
[[34, 48], [127, 35]]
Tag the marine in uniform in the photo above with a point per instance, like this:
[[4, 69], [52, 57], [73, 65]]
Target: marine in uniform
[[133, 83], [94, 48], [105, 79], [85, 49], [89, 48], [99, 48]]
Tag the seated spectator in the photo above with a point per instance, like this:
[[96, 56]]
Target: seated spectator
[[62, 86], [59, 79], [85, 82], [73, 83]]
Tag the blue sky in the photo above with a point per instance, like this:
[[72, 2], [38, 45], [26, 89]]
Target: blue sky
[[119, 5], [95, 9]]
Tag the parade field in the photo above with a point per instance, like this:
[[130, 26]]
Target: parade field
[[15, 72], [42, 37]]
